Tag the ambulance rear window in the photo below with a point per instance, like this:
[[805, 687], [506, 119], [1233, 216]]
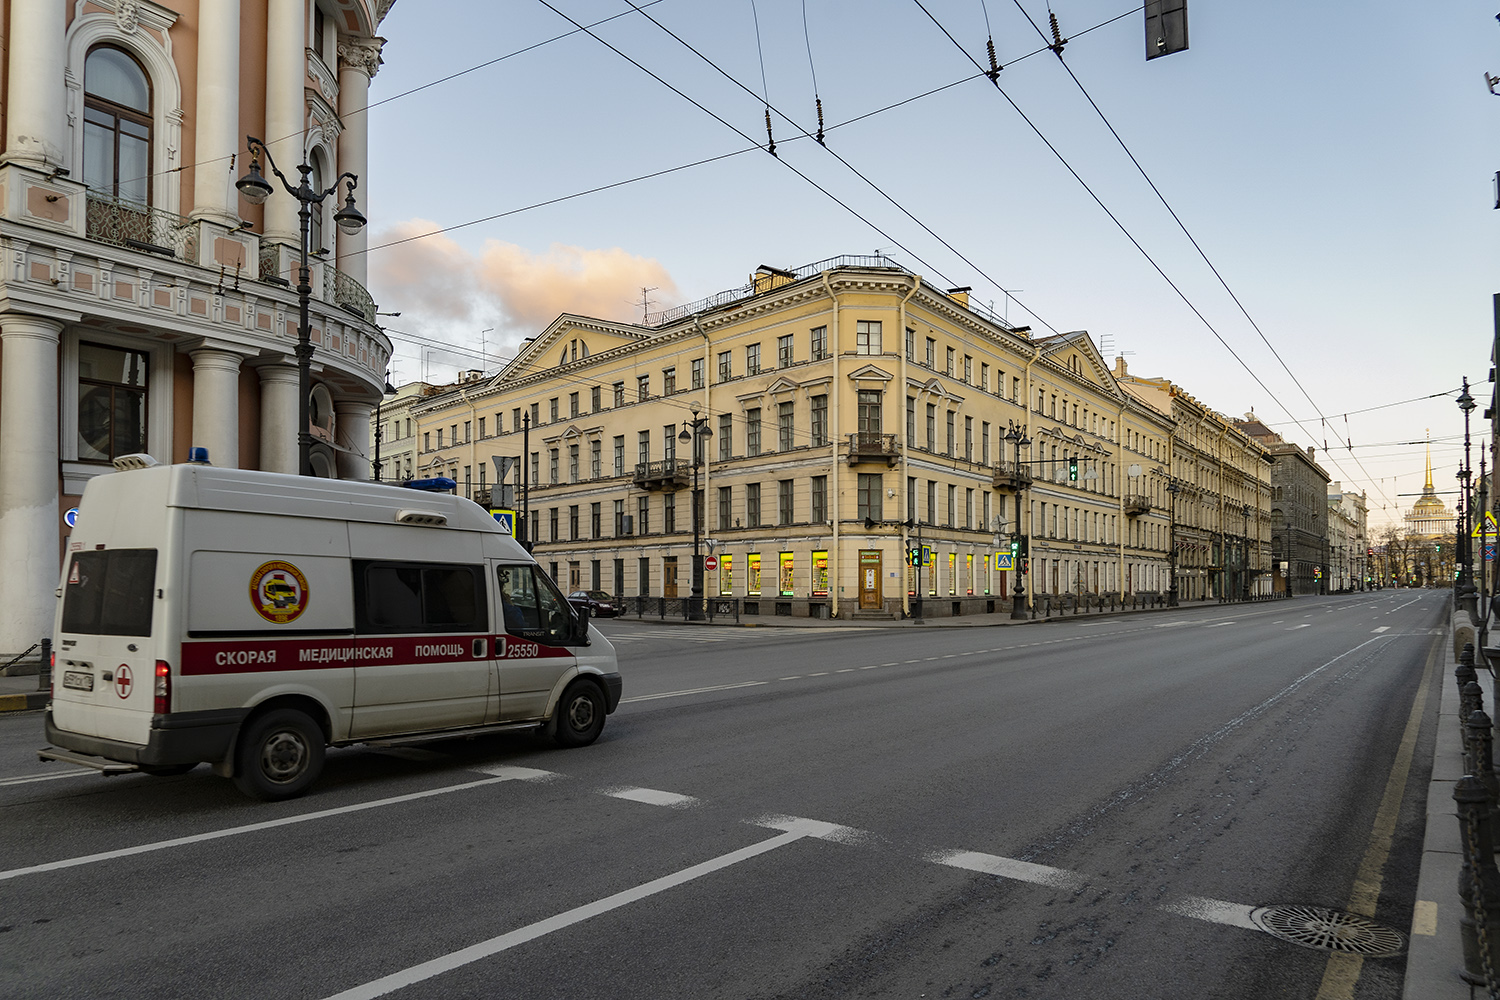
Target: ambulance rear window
[[110, 592]]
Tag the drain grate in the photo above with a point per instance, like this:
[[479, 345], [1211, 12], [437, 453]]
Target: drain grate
[[1329, 930]]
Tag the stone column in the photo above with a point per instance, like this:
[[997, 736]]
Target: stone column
[[351, 426], [286, 117], [36, 102], [218, 118], [29, 524], [216, 405], [359, 59], [278, 418]]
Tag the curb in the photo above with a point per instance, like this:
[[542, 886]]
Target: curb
[[30, 701]]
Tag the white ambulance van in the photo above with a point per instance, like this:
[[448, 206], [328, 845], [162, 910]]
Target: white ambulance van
[[250, 619]]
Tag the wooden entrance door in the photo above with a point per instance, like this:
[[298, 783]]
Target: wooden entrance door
[[869, 580], [669, 576]]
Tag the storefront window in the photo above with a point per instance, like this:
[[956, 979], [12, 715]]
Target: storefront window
[[726, 574], [785, 559], [752, 579], [820, 574]]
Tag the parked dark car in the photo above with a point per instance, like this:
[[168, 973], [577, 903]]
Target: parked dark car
[[598, 603]]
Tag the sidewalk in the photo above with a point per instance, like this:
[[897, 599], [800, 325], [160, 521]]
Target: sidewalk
[[946, 621], [1435, 954]]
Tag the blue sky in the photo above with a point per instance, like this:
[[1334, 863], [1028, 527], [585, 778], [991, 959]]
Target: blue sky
[[1333, 160]]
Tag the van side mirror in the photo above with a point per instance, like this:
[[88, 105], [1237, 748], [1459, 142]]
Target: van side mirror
[[581, 636]]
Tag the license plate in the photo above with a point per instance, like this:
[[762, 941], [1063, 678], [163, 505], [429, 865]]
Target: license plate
[[78, 680]]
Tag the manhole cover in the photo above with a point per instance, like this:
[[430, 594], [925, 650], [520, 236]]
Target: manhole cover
[[1329, 930]]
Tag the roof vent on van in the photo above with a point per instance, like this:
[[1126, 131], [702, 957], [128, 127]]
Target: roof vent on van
[[421, 517], [139, 460]]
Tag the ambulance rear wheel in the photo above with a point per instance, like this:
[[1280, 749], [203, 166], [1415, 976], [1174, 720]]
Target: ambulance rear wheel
[[279, 755], [580, 714]]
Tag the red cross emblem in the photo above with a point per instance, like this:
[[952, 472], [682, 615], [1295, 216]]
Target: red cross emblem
[[123, 681]]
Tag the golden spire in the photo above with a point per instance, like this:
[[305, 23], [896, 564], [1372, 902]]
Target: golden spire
[[1428, 487]]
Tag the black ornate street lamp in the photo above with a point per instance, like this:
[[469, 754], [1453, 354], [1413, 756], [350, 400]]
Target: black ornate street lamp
[[1017, 437], [1464, 552], [696, 432], [256, 189]]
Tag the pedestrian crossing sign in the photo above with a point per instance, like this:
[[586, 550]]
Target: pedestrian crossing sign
[[1004, 560], [1486, 527], [506, 519]]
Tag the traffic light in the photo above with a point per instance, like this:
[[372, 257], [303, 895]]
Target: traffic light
[[1073, 469], [1015, 547], [914, 556], [1438, 547]]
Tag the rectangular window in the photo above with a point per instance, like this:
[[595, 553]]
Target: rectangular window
[[619, 519], [643, 576], [726, 366], [536, 468], [573, 522], [951, 434], [642, 388], [643, 515], [697, 373], [968, 439], [784, 351], [752, 505], [871, 496], [596, 462], [619, 590], [669, 442], [820, 574], [968, 508], [911, 421], [536, 414], [440, 439], [819, 420], [911, 344], [726, 437], [819, 348], [552, 410], [784, 429], [572, 405], [752, 359], [481, 428], [984, 443], [752, 432], [1015, 389], [911, 499], [552, 465], [984, 376], [726, 574], [726, 501], [668, 381], [418, 597], [784, 501], [867, 336], [988, 522], [869, 408], [752, 574], [572, 463], [952, 506], [552, 523], [596, 399], [669, 512], [515, 420], [426, 441], [932, 510], [948, 358], [619, 454], [819, 499], [932, 427], [968, 369], [785, 576], [618, 390], [643, 446]]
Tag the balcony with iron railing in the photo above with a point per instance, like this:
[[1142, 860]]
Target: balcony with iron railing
[[140, 227], [1011, 476], [667, 474], [869, 446], [1137, 504]]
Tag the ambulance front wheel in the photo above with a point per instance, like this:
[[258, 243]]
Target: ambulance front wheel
[[580, 714], [279, 755]]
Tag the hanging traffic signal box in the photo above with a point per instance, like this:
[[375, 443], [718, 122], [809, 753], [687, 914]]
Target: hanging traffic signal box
[[1073, 469]]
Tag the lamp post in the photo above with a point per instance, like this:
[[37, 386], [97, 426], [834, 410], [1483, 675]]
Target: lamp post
[[1017, 437], [256, 189], [696, 432], [1244, 552], [1173, 489], [1464, 552], [390, 390]]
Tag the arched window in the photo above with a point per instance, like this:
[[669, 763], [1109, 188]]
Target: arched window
[[315, 179], [117, 126]]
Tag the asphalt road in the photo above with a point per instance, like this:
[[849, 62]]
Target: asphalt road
[[1071, 809]]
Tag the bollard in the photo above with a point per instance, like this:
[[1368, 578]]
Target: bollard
[[1465, 671], [1470, 700], [1478, 881], [44, 674], [1479, 755]]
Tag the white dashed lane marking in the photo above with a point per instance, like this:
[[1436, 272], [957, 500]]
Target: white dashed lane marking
[[652, 797]]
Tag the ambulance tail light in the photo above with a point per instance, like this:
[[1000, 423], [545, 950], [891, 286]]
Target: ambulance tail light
[[162, 704]]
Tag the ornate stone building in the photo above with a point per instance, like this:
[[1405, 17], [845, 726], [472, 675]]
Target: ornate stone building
[[144, 307], [1299, 513], [854, 411]]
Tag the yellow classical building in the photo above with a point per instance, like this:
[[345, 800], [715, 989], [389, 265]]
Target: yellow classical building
[[847, 413]]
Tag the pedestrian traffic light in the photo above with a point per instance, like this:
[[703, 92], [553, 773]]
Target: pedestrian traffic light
[[1015, 547], [914, 556], [1073, 469]]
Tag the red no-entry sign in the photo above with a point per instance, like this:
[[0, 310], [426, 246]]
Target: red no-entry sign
[[710, 562]]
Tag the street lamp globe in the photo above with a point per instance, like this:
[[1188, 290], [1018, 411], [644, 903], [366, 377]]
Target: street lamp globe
[[253, 187], [349, 218]]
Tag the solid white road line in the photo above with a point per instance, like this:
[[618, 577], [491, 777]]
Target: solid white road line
[[1021, 871], [652, 797], [541, 928], [1383, 628], [43, 777], [272, 824], [688, 691]]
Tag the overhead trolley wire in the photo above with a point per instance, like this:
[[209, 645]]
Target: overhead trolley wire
[[1057, 49]]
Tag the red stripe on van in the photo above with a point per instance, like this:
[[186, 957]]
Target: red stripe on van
[[245, 656]]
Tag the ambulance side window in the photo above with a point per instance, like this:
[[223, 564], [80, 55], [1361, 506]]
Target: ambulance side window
[[419, 597], [533, 607]]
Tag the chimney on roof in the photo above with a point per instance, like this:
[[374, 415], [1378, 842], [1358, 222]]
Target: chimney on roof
[[767, 277], [961, 295], [1310, 454], [1121, 370]]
